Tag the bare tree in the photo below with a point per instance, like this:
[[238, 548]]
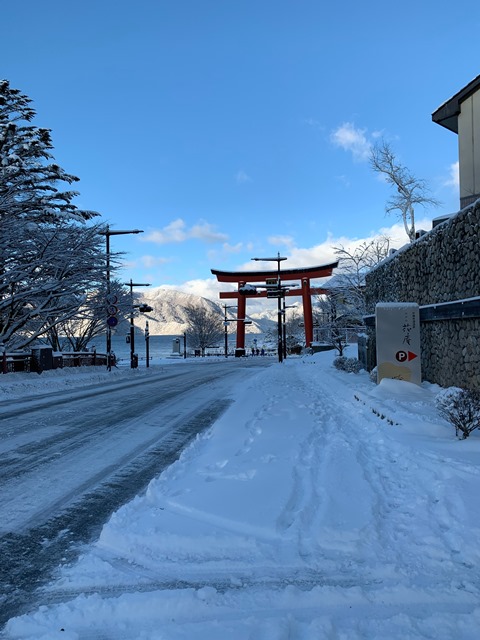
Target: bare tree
[[331, 327], [205, 327], [74, 334], [343, 307], [45, 276], [347, 288], [294, 333], [410, 191]]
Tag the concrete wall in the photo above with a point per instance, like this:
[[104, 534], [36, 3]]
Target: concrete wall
[[441, 266], [469, 149]]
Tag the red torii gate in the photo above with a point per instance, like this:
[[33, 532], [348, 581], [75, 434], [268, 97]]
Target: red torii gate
[[241, 278]]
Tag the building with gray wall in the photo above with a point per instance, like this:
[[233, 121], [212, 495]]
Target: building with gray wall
[[440, 272], [461, 114]]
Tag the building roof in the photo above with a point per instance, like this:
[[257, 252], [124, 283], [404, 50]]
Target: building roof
[[447, 114]]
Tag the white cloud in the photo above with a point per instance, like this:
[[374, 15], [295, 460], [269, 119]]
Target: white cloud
[[208, 288], [225, 250], [173, 232], [177, 231], [324, 252], [241, 177], [378, 134], [153, 261], [454, 176], [311, 122], [316, 255], [353, 139], [281, 241], [128, 264], [206, 232]]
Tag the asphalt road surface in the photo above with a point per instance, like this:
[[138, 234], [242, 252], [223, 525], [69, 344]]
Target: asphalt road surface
[[69, 460]]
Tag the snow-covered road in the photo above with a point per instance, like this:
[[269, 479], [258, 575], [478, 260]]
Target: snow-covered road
[[68, 460], [319, 505]]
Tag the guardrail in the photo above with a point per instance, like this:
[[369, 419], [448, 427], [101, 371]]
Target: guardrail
[[45, 359], [82, 359]]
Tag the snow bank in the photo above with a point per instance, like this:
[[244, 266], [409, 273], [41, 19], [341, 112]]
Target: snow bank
[[318, 506]]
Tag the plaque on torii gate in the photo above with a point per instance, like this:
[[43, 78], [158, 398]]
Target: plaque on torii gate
[[305, 275]]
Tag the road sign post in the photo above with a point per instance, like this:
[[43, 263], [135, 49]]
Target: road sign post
[[112, 321]]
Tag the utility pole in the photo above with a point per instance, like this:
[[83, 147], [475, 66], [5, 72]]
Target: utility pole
[[133, 356]]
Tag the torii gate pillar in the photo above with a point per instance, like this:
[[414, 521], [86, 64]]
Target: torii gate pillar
[[307, 311], [241, 314]]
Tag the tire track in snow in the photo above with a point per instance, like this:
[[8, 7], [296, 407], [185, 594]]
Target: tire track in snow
[[54, 532], [380, 471], [13, 463], [28, 558]]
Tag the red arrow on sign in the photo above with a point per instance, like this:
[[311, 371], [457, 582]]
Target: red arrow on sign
[[411, 356]]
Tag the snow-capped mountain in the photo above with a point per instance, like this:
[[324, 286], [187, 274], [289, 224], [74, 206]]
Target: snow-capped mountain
[[169, 318]]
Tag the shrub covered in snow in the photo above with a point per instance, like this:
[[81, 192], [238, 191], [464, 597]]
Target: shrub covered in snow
[[461, 407], [350, 365]]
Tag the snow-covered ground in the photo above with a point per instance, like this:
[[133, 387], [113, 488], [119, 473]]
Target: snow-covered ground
[[318, 506]]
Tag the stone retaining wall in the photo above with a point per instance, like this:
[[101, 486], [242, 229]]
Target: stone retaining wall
[[441, 266]]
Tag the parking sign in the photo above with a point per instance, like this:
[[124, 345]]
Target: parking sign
[[398, 341]]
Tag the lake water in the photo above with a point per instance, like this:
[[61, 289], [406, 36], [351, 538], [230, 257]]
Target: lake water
[[160, 346]]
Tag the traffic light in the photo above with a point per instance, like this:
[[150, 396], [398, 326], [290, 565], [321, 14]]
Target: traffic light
[[112, 310], [144, 308]]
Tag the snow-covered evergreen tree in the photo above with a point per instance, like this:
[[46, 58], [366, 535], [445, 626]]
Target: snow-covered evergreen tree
[[49, 258], [29, 178]]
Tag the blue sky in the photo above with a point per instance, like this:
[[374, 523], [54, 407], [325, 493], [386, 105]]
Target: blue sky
[[228, 130]]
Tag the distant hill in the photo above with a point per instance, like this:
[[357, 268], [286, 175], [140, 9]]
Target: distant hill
[[169, 318]]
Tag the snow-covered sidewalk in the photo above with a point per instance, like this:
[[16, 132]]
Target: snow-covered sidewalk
[[319, 506]]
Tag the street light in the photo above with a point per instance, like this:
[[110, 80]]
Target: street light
[[112, 321], [225, 324], [133, 362], [278, 259]]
